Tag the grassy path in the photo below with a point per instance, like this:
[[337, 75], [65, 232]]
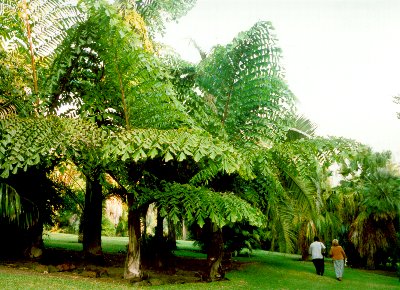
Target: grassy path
[[264, 270]]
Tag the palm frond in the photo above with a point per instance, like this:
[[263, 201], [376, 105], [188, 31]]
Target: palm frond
[[157, 13], [196, 204], [141, 144], [246, 81], [7, 109], [300, 127], [49, 20]]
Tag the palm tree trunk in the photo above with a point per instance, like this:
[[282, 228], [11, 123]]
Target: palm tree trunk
[[215, 253], [302, 243], [171, 235], [35, 248], [92, 218], [160, 243], [133, 259], [81, 225], [184, 230], [32, 53]]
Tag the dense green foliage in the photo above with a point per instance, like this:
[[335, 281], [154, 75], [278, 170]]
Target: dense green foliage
[[27, 142], [218, 142]]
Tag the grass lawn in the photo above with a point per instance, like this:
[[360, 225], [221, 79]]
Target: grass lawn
[[263, 270]]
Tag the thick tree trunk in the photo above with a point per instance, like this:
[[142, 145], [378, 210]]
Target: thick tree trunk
[[303, 244], [162, 247], [171, 235], [159, 230], [184, 230], [92, 218], [159, 250], [370, 262], [35, 247], [80, 230], [159, 242], [144, 211], [215, 253], [133, 260]]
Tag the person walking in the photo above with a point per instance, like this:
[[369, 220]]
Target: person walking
[[316, 251], [338, 256]]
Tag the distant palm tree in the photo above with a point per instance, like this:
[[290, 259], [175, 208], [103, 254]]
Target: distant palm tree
[[374, 228], [370, 212]]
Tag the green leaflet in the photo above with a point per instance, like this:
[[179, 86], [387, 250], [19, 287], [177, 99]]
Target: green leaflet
[[181, 157], [168, 156]]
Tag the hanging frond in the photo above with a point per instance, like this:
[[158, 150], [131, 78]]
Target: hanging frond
[[300, 127], [14, 209], [196, 204], [140, 145], [7, 109], [10, 203], [157, 13], [26, 142]]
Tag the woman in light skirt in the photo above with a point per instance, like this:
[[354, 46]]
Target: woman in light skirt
[[338, 256]]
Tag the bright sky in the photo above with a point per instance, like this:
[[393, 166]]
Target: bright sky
[[342, 57]]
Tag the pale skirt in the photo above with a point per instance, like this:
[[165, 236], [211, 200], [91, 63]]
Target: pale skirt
[[339, 268]]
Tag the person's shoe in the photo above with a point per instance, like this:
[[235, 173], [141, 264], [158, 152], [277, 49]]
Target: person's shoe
[[340, 279]]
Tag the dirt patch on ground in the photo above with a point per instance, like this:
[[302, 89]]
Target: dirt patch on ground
[[70, 264]]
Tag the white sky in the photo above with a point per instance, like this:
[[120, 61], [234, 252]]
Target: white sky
[[341, 57]]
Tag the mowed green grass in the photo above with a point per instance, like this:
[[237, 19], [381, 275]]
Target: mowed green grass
[[70, 242], [263, 270], [270, 270]]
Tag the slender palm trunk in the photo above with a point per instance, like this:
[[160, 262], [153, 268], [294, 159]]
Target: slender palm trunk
[[30, 42], [171, 235]]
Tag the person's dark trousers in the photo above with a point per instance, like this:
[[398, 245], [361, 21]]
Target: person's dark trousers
[[319, 266]]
